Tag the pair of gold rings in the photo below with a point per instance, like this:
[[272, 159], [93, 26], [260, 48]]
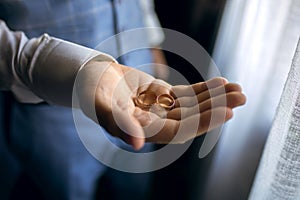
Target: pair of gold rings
[[148, 98]]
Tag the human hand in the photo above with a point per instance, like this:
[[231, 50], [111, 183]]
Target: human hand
[[205, 105]]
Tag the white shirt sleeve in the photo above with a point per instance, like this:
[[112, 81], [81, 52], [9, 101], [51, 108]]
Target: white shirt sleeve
[[42, 68]]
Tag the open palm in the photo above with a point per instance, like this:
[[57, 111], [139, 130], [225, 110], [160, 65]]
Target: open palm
[[198, 108]]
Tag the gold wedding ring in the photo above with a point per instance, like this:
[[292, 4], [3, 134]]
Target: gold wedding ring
[[148, 98], [166, 101], [145, 99]]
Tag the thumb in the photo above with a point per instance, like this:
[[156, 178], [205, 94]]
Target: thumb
[[131, 130]]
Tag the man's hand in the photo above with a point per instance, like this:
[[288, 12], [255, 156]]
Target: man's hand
[[198, 108]]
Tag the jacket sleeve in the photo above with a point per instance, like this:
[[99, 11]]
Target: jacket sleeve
[[41, 69]]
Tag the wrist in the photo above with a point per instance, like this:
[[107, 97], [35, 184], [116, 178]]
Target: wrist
[[86, 85]]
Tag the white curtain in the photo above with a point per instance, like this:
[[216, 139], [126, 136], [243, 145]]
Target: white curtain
[[255, 48], [278, 176]]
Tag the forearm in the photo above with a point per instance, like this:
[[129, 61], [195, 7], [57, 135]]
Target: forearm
[[46, 66]]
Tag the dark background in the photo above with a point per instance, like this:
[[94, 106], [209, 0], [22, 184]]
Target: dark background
[[199, 19]]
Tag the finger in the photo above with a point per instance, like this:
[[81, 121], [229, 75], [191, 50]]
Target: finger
[[212, 119], [161, 131], [181, 131], [143, 117], [191, 90], [146, 119], [127, 128], [134, 133], [188, 101], [206, 121], [230, 100]]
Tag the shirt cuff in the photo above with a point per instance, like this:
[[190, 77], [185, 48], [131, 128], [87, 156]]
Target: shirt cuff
[[49, 69]]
